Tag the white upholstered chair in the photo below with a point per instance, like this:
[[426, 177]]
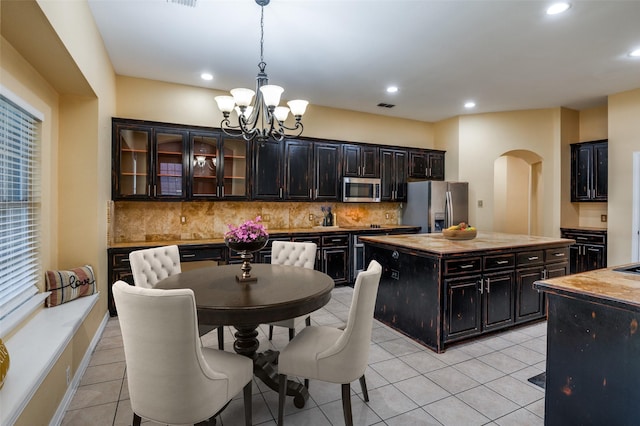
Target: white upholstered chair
[[149, 266], [331, 354], [293, 254], [173, 379]]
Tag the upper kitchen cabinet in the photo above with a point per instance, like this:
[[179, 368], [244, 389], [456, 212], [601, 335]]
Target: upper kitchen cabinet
[[393, 174], [219, 166], [148, 162], [589, 169], [267, 177], [326, 161], [426, 164], [298, 170], [360, 161]]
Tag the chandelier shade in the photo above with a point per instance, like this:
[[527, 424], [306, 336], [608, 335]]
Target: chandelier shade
[[258, 112]]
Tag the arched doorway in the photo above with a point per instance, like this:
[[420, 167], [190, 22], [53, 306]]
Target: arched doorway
[[517, 189]]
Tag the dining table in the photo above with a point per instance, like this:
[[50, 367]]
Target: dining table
[[279, 292]]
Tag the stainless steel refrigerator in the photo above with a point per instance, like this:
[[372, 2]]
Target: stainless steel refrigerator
[[436, 205]]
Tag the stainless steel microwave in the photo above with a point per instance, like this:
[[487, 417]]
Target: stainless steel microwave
[[360, 190]]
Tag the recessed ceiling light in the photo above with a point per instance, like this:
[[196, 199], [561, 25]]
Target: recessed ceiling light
[[635, 53], [392, 89], [469, 104], [556, 8], [206, 76]]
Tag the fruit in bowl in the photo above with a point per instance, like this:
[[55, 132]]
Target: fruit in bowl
[[461, 231]]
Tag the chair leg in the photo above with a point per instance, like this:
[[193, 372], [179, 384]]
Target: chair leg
[[270, 332], [248, 408], [292, 333], [307, 321], [221, 338], [306, 383], [363, 385], [346, 404], [282, 394], [136, 420]]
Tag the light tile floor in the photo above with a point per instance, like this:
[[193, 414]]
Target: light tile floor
[[476, 383]]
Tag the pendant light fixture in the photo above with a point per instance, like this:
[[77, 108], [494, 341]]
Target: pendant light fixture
[[263, 119]]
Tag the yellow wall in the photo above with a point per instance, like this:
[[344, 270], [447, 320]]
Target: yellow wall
[[624, 141], [63, 70], [151, 100], [447, 135]]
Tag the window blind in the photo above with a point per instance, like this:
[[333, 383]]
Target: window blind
[[19, 205]]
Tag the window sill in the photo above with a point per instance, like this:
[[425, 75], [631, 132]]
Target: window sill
[[34, 350]]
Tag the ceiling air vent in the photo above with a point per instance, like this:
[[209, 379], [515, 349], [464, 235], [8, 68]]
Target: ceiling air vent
[[383, 105], [190, 3]]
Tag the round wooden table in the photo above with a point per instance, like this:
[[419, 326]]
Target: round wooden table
[[280, 292]]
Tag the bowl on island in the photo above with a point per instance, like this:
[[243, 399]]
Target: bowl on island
[[459, 234]]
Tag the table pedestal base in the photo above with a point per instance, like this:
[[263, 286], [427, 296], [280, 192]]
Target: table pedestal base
[[263, 364]]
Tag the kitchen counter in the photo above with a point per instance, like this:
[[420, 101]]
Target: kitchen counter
[[320, 230], [436, 244], [593, 347], [439, 291]]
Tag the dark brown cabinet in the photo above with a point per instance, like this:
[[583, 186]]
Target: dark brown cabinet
[[426, 164], [298, 170], [219, 166], [149, 162], [589, 171], [360, 161], [335, 257], [590, 250], [393, 175], [267, 176], [326, 162]]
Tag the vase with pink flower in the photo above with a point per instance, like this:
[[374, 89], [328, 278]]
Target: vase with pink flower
[[246, 239]]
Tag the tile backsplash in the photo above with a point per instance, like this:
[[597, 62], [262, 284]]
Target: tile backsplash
[[134, 221]]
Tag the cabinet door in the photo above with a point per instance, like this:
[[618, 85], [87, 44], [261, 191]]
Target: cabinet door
[[132, 165], [498, 300], [435, 166], [529, 301], [369, 162], [235, 168], [600, 171], [387, 175], [575, 258], [267, 171], [117, 275], [463, 307], [417, 164], [581, 166], [170, 167], [204, 165], [326, 158], [298, 175], [335, 263], [594, 257], [400, 174], [350, 160]]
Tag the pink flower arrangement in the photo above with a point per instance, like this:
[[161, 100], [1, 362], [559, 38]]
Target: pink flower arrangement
[[251, 230]]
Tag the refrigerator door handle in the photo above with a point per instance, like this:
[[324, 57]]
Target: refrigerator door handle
[[448, 208]]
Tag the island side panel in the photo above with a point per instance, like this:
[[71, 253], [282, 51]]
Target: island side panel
[[593, 367], [409, 299]]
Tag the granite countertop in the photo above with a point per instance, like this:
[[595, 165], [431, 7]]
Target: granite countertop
[[272, 232], [436, 243], [603, 284]]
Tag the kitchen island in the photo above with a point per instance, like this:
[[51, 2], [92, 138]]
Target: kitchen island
[[593, 348], [439, 291]]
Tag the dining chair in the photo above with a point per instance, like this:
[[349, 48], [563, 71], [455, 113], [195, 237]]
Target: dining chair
[[331, 354], [149, 266], [292, 253], [172, 378]]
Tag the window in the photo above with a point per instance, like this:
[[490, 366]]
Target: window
[[19, 203]]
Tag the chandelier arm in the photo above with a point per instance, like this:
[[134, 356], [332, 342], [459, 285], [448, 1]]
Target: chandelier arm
[[298, 126]]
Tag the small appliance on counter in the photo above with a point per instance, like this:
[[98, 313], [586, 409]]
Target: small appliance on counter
[[436, 205]]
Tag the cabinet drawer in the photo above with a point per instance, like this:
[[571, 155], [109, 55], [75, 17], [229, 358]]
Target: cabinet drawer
[[586, 237], [192, 255], [120, 260], [499, 261], [527, 258], [556, 255], [463, 266], [308, 239], [335, 240]]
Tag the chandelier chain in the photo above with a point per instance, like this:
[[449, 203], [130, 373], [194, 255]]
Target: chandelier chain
[[262, 34]]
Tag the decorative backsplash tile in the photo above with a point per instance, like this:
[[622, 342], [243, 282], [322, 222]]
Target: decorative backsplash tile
[[134, 221]]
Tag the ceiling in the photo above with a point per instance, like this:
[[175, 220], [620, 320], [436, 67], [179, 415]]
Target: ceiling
[[504, 55]]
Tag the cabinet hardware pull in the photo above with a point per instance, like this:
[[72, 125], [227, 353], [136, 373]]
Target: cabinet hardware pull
[[502, 262], [481, 282], [125, 260], [280, 192], [470, 265], [155, 190], [559, 254], [310, 193], [222, 192], [581, 238], [533, 258], [188, 255], [488, 285]]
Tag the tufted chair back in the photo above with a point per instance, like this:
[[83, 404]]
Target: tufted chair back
[[152, 265], [294, 254]]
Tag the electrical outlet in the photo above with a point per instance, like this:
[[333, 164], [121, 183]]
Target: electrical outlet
[[311, 217], [68, 375], [266, 217], [183, 219], [386, 215], [480, 203], [603, 218]]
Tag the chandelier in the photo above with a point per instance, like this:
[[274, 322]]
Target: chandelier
[[264, 119]]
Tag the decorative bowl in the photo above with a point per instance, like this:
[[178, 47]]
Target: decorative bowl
[[248, 247], [455, 234]]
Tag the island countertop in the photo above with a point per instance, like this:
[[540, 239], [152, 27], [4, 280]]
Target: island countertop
[[605, 285], [436, 243]]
